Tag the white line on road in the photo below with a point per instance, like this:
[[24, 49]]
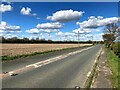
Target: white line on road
[[42, 63], [88, 74]]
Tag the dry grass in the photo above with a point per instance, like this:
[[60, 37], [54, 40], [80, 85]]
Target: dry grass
[[20, 49]]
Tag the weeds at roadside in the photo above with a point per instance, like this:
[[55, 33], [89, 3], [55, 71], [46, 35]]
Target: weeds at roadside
[[114, 64]]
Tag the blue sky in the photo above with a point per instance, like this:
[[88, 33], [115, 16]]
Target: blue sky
[[26, 22]]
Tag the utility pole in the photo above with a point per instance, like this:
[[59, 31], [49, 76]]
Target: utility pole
[[78, 39], [92, 40]]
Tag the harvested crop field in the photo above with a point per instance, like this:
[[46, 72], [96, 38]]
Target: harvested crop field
[[20, 49]]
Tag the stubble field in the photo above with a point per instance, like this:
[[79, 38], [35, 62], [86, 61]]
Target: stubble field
[[20, 49]]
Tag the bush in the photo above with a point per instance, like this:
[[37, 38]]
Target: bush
[[116, 48]]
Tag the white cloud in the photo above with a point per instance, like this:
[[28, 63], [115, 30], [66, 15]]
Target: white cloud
[[87, 30], [6, 1], [65, 34], [71, 36], [34, 14], [98, 30], [65, 15], [37, 18], [13, 28], [38, 31], [50, 30], [59, 33], [94, 22], [33, 31], [1, 31], [46, 28], [9, 35], [8, 28], [82, 31], [89, 35], [117, 39], [98, 37], [27, 11], [4, 8], [55, 25], [78, 30]]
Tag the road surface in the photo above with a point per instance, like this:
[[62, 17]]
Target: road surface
[[67, 72]]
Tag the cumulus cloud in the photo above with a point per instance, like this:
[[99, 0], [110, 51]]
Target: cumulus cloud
[[98, 37], [97, 30], [9, 35], [55, 25], [78, 30], [74, 34], [70, 36], [33, 31], [1, 31], [38, 31], [59, 33], [82, 31], [6, 1], [27, 11], [46, 28], [65, 15], [89, 35], [50, 30], [94, 22], [65, 34], [4, 8], [8, 28]]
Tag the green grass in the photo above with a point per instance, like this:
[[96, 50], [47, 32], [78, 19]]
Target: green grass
[[8, 58], [114, 64]]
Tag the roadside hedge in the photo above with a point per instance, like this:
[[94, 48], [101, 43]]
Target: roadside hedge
[[116, 48]]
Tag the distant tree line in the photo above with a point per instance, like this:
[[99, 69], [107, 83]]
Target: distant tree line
[[37, 40]]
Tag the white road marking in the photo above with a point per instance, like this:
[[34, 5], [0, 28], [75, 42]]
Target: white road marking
[[10, 73], [88, 74], [35, 65], [58, 57], [42, 63]]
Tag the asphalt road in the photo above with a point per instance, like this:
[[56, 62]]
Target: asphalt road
[[65, 73], [19, 63]]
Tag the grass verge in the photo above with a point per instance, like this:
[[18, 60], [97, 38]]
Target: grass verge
[[114, 64], [8, 58]]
